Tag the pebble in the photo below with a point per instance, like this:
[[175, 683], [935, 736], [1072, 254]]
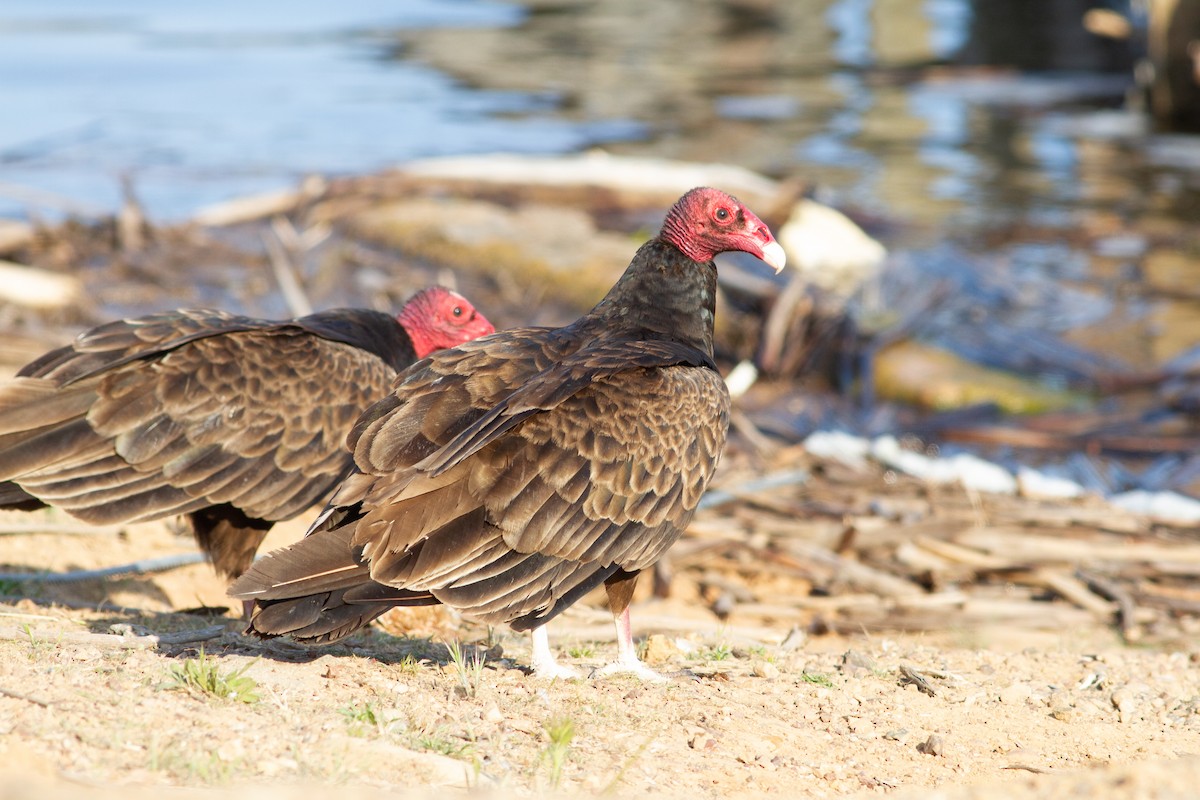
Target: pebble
[[1063, 714], [765, 669], [933, 746], [855, 662], [700, 739], [659, 648], [1015, 694], [1125, 701]]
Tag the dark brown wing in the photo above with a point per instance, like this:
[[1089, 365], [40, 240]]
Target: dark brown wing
[[252, 418], [510, 504]]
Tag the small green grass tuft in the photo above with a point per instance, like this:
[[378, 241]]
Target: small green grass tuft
[[469, 669], [202, 676], [409, 665], [361, 719], [817, 678], [561, 732], [437, 741], [581, 651], [718, 652]]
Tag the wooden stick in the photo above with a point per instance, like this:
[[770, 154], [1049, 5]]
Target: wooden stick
[[60, 528], [285, 272], [1045, 548], [161, 564], [775, 480], [1077, 591], [26, 697], [112, 639]]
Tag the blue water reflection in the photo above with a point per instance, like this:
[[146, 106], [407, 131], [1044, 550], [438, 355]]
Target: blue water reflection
[[198, 103]]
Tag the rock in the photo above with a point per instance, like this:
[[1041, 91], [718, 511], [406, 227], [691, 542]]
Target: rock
[[37, 288], [1126, 701], [700, 739], [933, 746], [1015, 694], [828, 249], [765, 669], [1063, 713], [660, 649], [854, 662], [929, 376]]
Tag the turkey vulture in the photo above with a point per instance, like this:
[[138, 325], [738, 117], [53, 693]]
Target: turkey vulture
[[509, 476], [235, 422]]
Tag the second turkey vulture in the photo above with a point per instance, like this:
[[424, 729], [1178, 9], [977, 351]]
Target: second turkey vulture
[[509, 476], [235, 422]]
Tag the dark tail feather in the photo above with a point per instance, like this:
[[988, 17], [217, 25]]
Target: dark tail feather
[[16, 498], [228, 537], [329, 616], [317, 590]]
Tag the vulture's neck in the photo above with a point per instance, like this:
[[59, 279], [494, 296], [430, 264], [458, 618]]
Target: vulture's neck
[[662, 295]]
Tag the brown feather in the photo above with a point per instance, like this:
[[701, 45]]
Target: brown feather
[[508, 476]]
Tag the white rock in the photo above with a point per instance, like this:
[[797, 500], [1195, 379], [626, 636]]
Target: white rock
[[741, 378], [37, 288], [1162, 506], [838, 446], [971, 471], [828, 249], [1033, 483]]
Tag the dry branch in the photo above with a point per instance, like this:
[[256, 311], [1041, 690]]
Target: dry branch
[[112, 639]]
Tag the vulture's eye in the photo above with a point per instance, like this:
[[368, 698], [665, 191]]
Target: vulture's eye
[[457, 311], [722, 214]]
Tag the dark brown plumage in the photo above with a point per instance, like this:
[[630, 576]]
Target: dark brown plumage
[[235, 422], [509, 476]]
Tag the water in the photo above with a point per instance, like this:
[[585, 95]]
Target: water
[[986, 139], [201, 103]]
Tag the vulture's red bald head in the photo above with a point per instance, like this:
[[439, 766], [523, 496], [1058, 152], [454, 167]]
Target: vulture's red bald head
[[437, 318], [706, 221]]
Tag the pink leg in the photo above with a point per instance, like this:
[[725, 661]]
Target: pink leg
[[627, 660]]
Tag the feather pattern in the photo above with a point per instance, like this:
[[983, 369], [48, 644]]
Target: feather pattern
[[236, 421], [510, 475]]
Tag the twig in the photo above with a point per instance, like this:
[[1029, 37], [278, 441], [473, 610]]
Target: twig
[[1126, 608], [75, 605], [1077, 591], [776, 480], [911, 675], [285, 272], [161, 564], [60, 528], [855, 573], [22, 696], [112, 639]]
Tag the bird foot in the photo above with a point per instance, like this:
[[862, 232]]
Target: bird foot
[[554, 671], [629, 667]]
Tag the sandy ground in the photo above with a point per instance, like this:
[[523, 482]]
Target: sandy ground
[[743, 712], [767, 702]]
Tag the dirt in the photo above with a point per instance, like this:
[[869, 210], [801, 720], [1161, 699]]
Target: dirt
[[744, 710], [785, 673]]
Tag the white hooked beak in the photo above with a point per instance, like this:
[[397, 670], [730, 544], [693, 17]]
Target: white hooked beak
[[774, 256]]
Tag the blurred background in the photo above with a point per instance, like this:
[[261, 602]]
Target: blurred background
[[959, 121], [1031, 166]]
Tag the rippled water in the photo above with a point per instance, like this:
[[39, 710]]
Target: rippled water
[[201, 102], [991, 143]]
